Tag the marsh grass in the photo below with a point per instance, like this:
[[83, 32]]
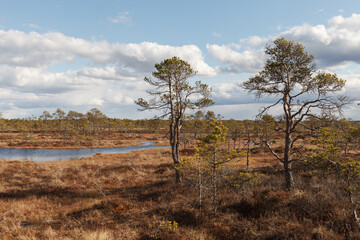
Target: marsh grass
[[133, 196]]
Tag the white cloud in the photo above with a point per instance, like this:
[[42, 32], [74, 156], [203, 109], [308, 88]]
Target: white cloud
[[335, 45], [247, 61], [256, 41], [241, 111], [38, 80], [34, 26], [216, 34], [43, 50], [319, 11], [352, 86], [142, 57], [27, 82], [336, 48], [118, 97], [106, 73], [33, 49], [122, 17]]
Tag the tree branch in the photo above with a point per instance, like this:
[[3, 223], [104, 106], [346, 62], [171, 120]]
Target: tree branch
[[272, 152]]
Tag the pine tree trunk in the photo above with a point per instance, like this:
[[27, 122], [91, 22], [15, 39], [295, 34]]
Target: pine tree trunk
[[248, 155], [214, 188], [174, 143], [200, 188], [289, 181]]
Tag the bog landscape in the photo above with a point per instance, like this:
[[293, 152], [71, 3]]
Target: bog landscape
[[291, 176]]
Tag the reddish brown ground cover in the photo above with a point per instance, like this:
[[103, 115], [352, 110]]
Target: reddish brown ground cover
[[133, 196]]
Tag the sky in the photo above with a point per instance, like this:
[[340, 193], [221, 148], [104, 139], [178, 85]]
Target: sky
[[84, 54]]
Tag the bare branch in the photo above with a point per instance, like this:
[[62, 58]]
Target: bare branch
[[265, 109], [272, 152]]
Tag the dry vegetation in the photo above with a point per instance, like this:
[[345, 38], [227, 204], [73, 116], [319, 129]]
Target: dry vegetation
[[133, 196], [54, 140]]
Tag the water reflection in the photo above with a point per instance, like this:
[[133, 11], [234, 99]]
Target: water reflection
[[39, 155]]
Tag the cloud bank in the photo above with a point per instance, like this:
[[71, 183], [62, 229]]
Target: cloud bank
[[43, 50], [336, 47], [110, 73], [333, 45], [44, 71]]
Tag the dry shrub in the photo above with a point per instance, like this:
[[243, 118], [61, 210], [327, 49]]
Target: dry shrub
[[256, 150], [276, 214], [268, 200], [321, 232], [279, 150], [187, 152], [161, 229], [186, 217], [245, 208], [279, 228], [318, 208], [93, 235], [229, 231], [104, 197], [263, 202]]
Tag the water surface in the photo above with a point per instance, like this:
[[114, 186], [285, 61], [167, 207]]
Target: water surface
[[40, 155]]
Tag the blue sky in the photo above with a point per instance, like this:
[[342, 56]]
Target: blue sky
[[81, 54]]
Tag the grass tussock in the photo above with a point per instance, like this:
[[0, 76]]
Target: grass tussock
[[133, 196]]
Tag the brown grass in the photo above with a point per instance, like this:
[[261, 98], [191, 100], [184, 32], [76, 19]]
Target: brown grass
[[133, 196], [54, 140]]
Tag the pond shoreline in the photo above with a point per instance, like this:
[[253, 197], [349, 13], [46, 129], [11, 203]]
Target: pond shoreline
[[50, 154], [52, 141], [84, 147]]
